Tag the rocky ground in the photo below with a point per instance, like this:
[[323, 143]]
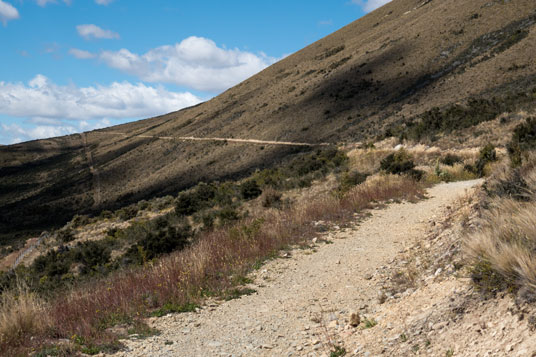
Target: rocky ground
[[393, 284]]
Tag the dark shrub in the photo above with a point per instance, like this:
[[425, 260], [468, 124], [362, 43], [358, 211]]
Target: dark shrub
[[80, 220], [186, 204], [106, 214], [271, 198], [127, 212], [227, 215], [450, 159], [523, 139], [91, 254], [200, 197], [65, 235], [156, 243], [397, 163], [487, 155], [250, 189]]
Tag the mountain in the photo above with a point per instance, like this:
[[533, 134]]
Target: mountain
[[410, 61]]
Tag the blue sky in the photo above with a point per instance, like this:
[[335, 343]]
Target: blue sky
[[73, 65]]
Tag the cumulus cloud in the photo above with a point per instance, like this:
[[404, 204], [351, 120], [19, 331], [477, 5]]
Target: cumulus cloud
[[103, 2], [93, 31], [195, 62], [370, 5], [81, 54], [49, 106], [7, 12]]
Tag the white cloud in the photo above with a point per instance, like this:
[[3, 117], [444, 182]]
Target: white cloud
[[44, 3], [15, 133], [81, 54], [7, 12], [93, 31], [50, 107], [103, 2], [195, 62], [370, 5]]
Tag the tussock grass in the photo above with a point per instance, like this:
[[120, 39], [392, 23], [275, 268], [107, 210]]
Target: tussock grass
[[503, 249], [506, 244], [208, 267], [22, 314]]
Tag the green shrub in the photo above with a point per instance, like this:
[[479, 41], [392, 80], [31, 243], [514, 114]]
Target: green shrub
[[156, 243], [80, 220], [91, 254], [523, 140], [227, 215], [450, 159], [65, 235], [200, 197], [486, 156], [127, 212], [250, 189], [397, 163]]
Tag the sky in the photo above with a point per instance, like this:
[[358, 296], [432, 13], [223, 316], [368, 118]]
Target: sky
[[68, 66]]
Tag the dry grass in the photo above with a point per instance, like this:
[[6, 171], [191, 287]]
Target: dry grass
[[448, 174], [507, 242], [503, 249], [367, 160], [22, 315], [207, 268]]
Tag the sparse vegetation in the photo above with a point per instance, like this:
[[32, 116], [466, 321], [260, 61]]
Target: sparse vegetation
[[207, 267], [369, 323], [436, 121]]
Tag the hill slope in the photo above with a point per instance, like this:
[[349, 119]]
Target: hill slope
[[381, 71]]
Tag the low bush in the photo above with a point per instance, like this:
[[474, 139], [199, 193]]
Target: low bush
[[451, 159], [158, 237], [523, 140], [127, 212], [271, 198], [487, 155], [250, 189], [351, 179], [397, 163], [65, 235]]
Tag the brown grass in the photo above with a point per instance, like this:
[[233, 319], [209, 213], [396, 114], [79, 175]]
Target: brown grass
[[204, 269], [507, 242], [503, 249], [22, 315]]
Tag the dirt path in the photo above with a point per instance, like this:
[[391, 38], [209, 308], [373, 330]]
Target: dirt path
[[230, 140], [298, 297]]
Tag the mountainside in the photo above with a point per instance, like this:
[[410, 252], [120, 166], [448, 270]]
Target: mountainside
[[374, 77]]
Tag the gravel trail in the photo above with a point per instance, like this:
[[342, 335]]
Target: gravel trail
[[298, 297]]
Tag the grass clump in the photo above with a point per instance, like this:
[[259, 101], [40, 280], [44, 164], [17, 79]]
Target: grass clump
[[369, 323], [22, 315], [503, 250], [451, 159]]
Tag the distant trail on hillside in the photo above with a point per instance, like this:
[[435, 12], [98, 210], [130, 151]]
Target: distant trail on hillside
[[94, 172], [230, 140]]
